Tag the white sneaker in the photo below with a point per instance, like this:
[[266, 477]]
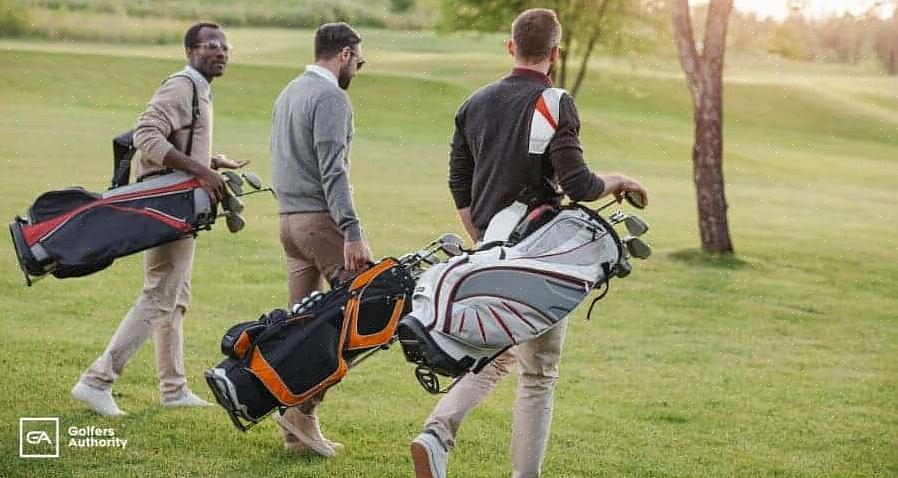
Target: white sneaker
[[187, 399], [308, 434], [430, 456], [100, 401]]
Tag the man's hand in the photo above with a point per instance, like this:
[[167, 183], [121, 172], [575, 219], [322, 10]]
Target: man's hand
[[213, 183], [356, 255], [618, 184], [220, 161]]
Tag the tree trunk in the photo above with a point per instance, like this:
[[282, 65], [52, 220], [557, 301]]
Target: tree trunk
[[893, 61], [594, 37], [893, 45], [704, 74], [585, 63], [707, 170], [563, 60]]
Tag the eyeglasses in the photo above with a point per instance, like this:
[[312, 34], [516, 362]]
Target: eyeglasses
[[214, 45]]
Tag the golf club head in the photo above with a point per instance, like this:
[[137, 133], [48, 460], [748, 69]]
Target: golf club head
[[235, 222], [637, 247], [234, 181], [635, 225], [636, 199], [451, 244], [233, 204], [253, 180]]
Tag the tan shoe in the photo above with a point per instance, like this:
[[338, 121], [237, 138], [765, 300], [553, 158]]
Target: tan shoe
[[308, 434]]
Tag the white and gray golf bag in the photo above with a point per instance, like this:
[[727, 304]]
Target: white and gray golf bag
[[530, 274]]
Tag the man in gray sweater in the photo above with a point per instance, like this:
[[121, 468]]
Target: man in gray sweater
[[311, 135]]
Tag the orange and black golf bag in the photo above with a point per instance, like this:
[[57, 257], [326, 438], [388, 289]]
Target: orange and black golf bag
[[286, 357]]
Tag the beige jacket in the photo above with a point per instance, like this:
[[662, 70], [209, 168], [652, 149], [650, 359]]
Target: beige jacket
[[165, 123]]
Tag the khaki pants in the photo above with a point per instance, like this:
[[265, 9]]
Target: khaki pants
[[313, 250], [159, 310], [538, 368]]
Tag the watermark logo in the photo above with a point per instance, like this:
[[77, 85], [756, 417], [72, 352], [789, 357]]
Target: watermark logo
[[95, 437], [39, 437]]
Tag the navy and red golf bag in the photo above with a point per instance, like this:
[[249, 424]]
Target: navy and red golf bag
[[286, 357], [74, 232]]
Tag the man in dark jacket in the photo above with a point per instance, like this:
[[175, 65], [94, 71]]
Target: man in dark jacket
[[517, 136]]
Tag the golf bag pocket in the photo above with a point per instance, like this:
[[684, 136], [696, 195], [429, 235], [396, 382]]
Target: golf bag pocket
[[299, 357], [380, 296]]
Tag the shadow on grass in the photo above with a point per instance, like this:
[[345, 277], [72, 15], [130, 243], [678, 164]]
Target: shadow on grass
[[698, 258]]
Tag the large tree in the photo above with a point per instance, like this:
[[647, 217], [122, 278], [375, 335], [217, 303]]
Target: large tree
[[704, 74], [587, 24]]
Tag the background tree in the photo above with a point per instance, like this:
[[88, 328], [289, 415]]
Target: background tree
[[704, 74], [587, 25]]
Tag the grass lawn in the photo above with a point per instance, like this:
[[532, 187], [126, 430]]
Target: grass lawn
[[781, 362]]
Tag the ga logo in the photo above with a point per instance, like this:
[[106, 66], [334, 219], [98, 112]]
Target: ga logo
[[39, 437]]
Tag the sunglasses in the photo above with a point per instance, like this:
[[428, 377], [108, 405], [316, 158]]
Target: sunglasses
[[359, 64], [213, 45]]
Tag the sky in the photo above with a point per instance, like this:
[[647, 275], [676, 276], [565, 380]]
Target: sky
[[778, 9]]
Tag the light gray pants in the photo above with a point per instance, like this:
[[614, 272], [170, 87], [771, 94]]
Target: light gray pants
[[159, 310], [538, 369]]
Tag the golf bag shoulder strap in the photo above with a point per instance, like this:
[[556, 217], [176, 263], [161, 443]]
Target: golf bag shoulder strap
[[194, 110], [124, 149], [545, 119]]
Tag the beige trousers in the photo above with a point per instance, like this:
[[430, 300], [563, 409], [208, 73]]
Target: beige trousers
[[538, 372], [313, 250], [159, 311]]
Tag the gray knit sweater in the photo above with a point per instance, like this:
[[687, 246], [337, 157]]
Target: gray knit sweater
[[311, 135]]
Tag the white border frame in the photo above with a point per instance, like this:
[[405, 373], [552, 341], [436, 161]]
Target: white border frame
[[22, 421]]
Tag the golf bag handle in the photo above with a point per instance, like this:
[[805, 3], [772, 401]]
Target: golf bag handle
[[342, 276]]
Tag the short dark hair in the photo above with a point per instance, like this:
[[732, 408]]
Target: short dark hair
[[535, 33], [192, 37], [331, 38]]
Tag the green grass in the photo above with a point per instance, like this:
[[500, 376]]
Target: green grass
[[781, 362]]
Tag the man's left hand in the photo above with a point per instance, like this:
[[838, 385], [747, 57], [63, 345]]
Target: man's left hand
[[220, 161]]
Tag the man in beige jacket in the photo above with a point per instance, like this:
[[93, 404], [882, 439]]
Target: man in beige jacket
[[162, 135]]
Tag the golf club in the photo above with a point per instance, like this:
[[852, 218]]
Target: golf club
[[635, 225], [233, 204], [451, 244], [258, 191], [235, 222], [637, 247], [617, 217], [635, 198], [253, 180], [234, 181]]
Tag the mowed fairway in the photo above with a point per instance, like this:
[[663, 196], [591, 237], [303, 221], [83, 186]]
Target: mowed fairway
[[782, 362]]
